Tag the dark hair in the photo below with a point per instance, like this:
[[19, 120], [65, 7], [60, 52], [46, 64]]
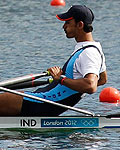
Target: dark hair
[[87, 27]]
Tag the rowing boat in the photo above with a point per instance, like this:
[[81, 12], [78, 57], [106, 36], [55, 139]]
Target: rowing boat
[[60, 122]]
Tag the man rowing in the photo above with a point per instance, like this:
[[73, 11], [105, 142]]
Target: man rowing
[[82, 72]]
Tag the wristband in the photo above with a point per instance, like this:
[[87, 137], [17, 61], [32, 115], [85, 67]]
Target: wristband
[[62, 78]]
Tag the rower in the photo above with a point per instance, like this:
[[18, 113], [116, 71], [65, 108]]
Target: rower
[[82, 72]]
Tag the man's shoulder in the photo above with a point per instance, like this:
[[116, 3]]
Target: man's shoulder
[[94, 47], [88, 44]]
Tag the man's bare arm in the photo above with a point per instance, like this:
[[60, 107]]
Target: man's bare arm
[[103, 78], [88, 84]]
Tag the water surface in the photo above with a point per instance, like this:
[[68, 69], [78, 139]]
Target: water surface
[[32, 40]]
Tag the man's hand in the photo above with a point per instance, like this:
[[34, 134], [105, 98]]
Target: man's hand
[[55, 72]]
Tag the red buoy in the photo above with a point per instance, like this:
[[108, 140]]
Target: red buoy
[[57, 3], [110, 95]]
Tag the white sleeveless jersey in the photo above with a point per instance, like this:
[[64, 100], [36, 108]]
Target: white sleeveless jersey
[[89, 61]]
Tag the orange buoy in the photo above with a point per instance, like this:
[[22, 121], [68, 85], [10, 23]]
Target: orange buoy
[[110, 95], [57, 3]]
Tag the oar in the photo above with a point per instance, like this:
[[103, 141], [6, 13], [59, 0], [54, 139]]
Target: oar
[[29, 84], [47, 101], [23, 79]]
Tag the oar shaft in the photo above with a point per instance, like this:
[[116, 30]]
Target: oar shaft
[[28, 84], [22, 79], [47, 101]]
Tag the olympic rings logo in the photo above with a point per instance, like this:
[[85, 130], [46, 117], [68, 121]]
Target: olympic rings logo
[[88, 122]]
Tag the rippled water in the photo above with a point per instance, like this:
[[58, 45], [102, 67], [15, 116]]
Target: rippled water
[[32, 40]]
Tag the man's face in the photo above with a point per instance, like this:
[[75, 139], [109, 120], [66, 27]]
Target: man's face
[[70, 28]]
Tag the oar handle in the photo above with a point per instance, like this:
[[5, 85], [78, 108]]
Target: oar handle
[[22, 79], [29, 84]]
